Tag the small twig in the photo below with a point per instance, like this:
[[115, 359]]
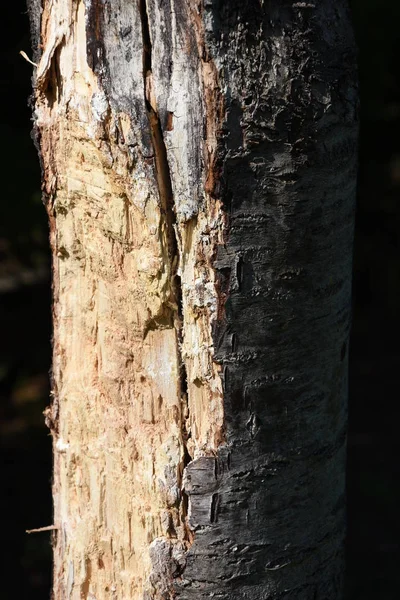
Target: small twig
[[26, 57], [39, 529]]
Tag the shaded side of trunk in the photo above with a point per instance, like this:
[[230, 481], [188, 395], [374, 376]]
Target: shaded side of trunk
[[288, 169], [199, 174]]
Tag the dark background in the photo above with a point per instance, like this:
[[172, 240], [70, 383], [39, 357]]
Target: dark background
[[25, 326]]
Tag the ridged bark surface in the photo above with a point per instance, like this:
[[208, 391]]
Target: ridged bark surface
[[199, 164]]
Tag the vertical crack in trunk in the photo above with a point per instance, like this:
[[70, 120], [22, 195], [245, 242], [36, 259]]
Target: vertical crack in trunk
[[168, 216], [160, 152]]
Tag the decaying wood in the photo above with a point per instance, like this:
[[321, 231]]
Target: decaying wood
[[198, 172]]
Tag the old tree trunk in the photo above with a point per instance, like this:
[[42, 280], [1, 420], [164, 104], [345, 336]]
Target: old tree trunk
[[199, 174]]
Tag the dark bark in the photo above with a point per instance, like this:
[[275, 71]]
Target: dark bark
[[288, 167], [35, 14]]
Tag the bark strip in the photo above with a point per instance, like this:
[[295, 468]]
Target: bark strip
[[168, 213]]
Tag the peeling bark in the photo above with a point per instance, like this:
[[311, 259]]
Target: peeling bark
[[199, 176]]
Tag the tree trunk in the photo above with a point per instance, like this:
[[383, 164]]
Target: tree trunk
[[199, 164]]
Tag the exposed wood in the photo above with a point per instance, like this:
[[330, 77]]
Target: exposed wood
[[199, 175]]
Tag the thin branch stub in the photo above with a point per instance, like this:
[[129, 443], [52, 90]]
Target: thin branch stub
[[39, 529], [26, 57]]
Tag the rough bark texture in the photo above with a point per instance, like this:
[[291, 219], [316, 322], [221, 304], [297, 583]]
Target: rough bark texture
[[199, 174]]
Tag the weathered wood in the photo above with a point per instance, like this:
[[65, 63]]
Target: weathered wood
[[199, 174]]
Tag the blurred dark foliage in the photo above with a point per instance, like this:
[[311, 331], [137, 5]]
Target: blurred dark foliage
[[25, 329], [25, 324], [373, 469]]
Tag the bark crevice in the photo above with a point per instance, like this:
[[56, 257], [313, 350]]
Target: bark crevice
[[168, 214]]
